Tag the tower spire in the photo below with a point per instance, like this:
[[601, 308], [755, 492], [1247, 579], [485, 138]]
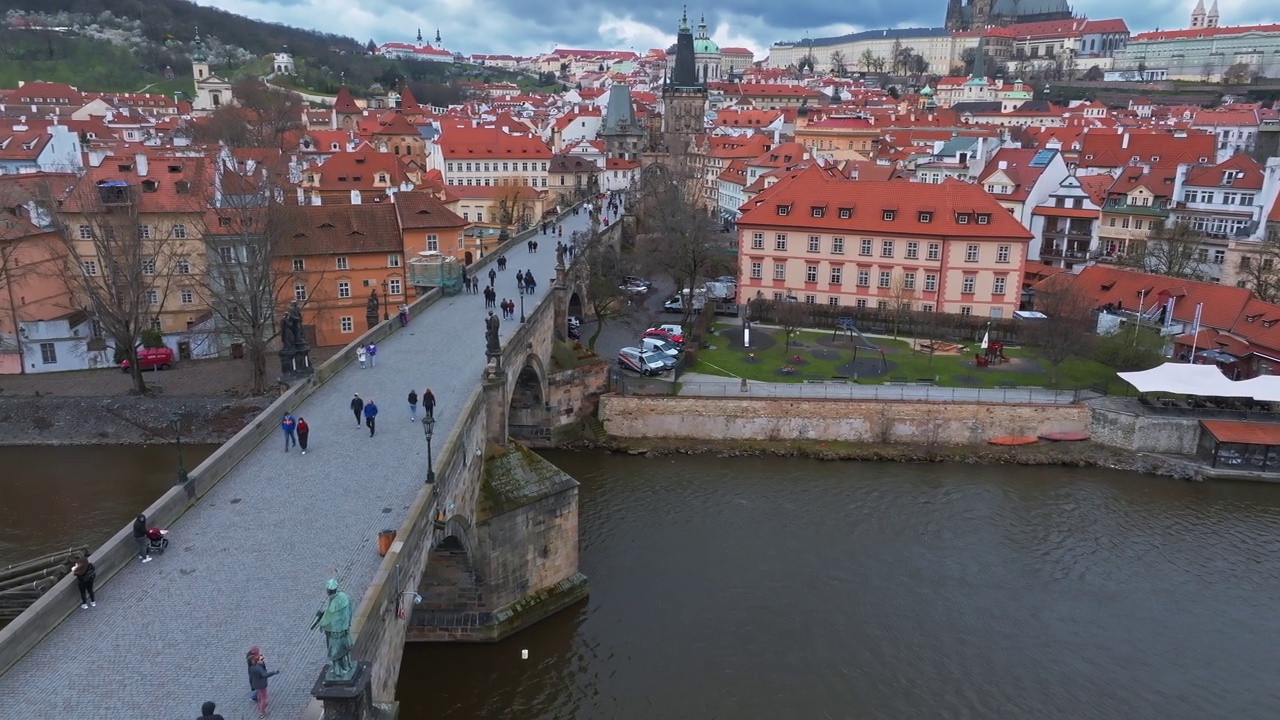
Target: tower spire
[[419, 34], [437, 35]]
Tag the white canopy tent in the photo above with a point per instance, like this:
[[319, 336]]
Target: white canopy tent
[[1264, 388], [1186, 379]]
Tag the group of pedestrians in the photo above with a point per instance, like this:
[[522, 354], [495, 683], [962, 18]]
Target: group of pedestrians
[[259, 682], [369, 353], [532, 245], [428, 404], [366, 409], [508, 308], [525, 284], [296, 431]]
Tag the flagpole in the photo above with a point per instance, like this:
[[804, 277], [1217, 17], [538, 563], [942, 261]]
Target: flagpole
[[1195, 332]]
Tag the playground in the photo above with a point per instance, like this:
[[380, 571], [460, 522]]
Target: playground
[[846, 354]]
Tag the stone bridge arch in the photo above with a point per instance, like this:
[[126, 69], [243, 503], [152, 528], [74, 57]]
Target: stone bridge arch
[[528, 406]]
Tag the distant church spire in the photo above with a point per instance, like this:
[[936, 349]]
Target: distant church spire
[[419, 34], [437, 35]]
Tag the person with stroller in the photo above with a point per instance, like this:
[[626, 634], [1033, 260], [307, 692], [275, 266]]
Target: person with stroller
[[140, 537]]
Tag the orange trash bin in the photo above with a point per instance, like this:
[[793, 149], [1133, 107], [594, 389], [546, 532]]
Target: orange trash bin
[[385, 538]]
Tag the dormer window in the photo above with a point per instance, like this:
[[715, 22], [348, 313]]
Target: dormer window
[[1155, 158], [333, 147], [311, 178], [889, 215], [962, 219], [1268, 323], [382, 178], [846, 213], [984, 219], [125, 167], [183, 187], [817, 212], [150, 186], [784, 209], [926, 217], [175, 168]]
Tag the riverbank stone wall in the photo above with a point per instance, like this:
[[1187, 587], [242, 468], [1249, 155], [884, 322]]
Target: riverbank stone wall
[[703, 418]]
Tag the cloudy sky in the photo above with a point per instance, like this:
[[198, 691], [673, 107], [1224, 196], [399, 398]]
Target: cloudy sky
[[508, 26]]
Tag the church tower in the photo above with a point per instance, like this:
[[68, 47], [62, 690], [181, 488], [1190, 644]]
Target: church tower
[[684, 97], [211, 91], [1197, 15], [1211, 20]]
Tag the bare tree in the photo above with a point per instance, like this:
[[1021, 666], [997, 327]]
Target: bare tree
[[249, 224], [791, 316], [896, 56], [1259, 268], [601, 270], [867, 60], [120, 263], [1237, 74], [901, 300], [1069, 330], [1169, 250], [263, 116], [838, 65], [682, 241]]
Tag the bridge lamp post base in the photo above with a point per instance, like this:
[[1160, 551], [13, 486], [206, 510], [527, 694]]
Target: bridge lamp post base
[[350, 700]]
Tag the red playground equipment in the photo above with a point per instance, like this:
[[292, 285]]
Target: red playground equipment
[[993, 355]]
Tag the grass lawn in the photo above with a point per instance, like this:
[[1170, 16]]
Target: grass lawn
[[819, 357]]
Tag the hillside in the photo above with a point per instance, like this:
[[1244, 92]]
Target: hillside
[[127, 45]]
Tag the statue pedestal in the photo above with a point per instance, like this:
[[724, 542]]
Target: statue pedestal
[[295, 363], [352, 700]]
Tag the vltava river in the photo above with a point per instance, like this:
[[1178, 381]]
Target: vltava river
[[771, 588]]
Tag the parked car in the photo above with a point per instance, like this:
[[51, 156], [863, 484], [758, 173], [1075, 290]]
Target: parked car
[[645, 363], [633, 280], [670, 333], [631, 288], [676, 303], [160, 358], [575, 328], [653, 344]]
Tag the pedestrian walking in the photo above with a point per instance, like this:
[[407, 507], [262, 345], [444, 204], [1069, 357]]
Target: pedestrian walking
[[413, 405], [428, 403], [493, 276], [304, 431], [370, 416], [531, 285], [289, 424], [251, 659], [207, 711], [535, 246], [529, 246], [258, 675], [561, 233], [357, 408], [140, 537], [520, 280], [404, 315], [361, 356], [85, 574], [372, 351]]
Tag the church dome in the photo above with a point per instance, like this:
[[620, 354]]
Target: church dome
[[926, 91], [706, 46]]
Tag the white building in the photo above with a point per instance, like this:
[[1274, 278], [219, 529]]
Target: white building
[[212, 91], [282, 64], [62, 343], [1203, 54], [1223, 203]]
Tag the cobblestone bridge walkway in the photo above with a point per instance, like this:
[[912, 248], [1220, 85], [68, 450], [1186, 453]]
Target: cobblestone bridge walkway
[[248, 564]]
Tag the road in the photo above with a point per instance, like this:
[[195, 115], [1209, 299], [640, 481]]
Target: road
[[248, 564]]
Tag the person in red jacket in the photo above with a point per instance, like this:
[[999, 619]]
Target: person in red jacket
[[303, 431]]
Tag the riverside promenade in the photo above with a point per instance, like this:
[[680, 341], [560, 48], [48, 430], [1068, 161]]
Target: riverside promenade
[[248, 564]]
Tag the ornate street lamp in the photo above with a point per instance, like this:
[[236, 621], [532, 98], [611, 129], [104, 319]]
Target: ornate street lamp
[[428, 428], [175, 422], [521, 306], [386, 300]]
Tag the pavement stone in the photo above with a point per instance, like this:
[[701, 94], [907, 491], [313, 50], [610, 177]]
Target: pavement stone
[[247, 565]]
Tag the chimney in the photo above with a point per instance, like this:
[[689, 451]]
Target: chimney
[[1003, 164], [140, 162]]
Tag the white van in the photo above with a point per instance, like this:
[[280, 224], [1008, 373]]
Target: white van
[[662, 347]]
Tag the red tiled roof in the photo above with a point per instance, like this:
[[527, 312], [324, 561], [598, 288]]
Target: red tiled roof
[[1157, 180], [1017, 168], [1203, 32], [357, 171], [868, 202], [1248, 173], [423, 211], [1160, 148], [172, 184], [325, 229], [478, 192], [345, 102], [1221, 305], [467, 143], [620, 164]]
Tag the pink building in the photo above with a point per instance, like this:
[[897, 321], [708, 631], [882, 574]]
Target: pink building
[[822, 238]]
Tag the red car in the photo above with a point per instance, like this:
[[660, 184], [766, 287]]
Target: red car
[[674, 338]]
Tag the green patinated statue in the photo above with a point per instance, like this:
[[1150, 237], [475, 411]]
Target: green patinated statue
[[334, 620]]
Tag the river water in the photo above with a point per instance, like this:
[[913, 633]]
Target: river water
[[782, 588], [53, 498]]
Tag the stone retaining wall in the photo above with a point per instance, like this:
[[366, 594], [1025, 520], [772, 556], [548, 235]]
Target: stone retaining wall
[[1113, 425], [703, 418]]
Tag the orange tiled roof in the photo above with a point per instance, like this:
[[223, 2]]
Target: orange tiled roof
[[1203, 32], [171, 184], [423, 211], [357, 171], [1248, 173], [870, 202], [467, 143], [1108, 149], [1220, 305], [326, 229]]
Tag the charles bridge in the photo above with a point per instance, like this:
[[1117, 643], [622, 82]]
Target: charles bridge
[[486, 532]]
